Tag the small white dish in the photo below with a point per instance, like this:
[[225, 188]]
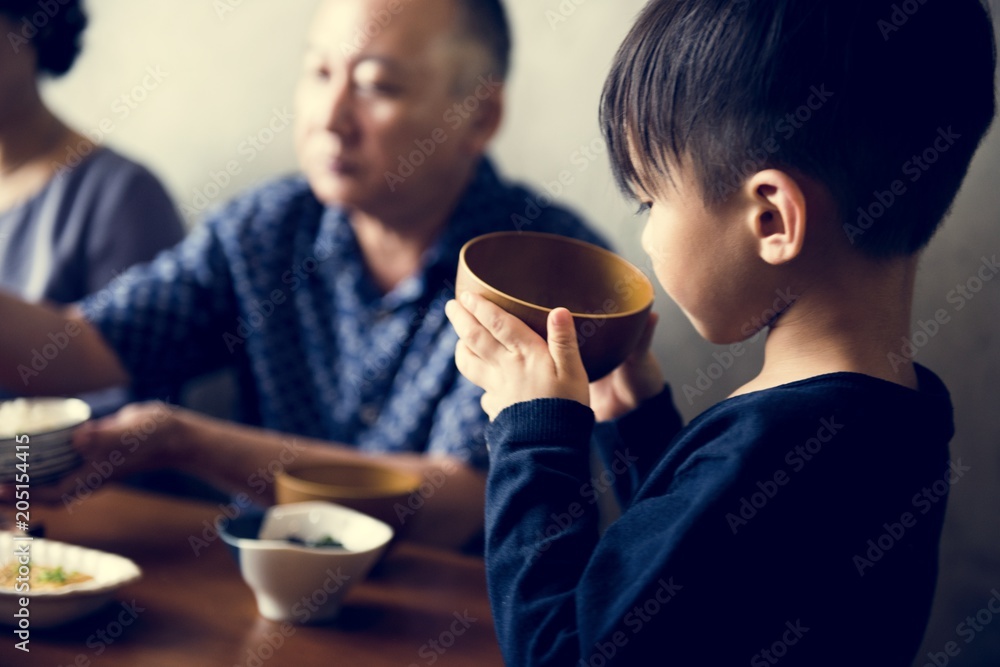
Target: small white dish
[[54, 607], [305, 584], [48, 424], [41, 417]]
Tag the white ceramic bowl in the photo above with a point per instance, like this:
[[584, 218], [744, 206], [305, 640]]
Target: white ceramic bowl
[[54, 607], [303, 584], [48, 424]]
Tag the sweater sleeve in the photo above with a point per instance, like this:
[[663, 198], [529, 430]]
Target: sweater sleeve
[[631, 445], [537, 522], [559, 593]]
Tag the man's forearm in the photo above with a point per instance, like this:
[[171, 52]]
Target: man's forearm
[[45, 351], [447, 511]]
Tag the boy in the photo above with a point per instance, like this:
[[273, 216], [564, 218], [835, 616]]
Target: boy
[[791, 521]]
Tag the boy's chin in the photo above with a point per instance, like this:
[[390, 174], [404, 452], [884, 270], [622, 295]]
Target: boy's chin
[[719, 334]]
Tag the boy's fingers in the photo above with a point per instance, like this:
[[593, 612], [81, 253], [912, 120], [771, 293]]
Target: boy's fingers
[[469, 365], [646, 340], [472, 333], [562, 340], [506, 329]]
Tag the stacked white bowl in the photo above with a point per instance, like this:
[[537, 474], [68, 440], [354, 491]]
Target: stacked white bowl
[[36, 438]]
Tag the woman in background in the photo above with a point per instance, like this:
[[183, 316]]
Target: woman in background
[[67, 226]]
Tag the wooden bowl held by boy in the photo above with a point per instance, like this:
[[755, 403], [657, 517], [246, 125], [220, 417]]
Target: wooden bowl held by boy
[[529, 274]]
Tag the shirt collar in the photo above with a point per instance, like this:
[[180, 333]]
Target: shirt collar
[[475, 214]]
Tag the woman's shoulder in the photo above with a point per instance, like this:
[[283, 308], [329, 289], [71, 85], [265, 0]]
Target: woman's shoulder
[[106, 173]]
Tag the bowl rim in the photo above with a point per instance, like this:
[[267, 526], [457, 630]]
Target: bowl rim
[[130, 573], [291, 479], [576, 316], [274, 544], [65, 400]]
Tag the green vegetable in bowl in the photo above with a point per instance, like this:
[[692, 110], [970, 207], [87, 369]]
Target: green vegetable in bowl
[[53, 575], [325, 541]]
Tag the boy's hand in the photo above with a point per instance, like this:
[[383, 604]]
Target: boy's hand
[[637, 379], [501, 354]]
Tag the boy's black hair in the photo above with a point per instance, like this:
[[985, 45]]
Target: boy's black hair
[[884, 102], [53, 28], [485, 22]]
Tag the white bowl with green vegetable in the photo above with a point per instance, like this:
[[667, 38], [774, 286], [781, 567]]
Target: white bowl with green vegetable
[[62, 582], [301, 559]]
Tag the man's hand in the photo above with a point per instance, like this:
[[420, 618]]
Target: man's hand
[[244, 459], [137, 438], [639, 378], [145, 434], [501, 354]]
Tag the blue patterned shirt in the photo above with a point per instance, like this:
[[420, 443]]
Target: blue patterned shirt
[[274, 284]]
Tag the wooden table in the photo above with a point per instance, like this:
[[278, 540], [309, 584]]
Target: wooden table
[[195, 610]]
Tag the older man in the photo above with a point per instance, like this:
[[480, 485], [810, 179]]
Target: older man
[[326, 292]]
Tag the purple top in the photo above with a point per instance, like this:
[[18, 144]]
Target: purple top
[[86, 226]]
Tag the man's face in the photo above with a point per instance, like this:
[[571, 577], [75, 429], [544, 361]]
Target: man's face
[[375, 125]]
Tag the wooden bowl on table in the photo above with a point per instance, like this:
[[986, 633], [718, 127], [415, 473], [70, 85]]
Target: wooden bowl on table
[[370, 488]]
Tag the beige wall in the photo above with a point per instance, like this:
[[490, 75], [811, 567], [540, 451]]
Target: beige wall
[[227, 74]]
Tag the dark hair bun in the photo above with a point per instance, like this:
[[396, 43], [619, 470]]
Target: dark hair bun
[[54, 29]]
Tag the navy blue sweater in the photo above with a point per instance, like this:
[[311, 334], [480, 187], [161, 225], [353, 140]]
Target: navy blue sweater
[[798, 524]]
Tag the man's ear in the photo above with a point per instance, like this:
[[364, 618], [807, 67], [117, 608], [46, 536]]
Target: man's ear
[[485, 122], [777, 215]]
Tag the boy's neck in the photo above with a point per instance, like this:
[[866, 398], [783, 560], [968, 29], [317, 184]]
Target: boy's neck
[[855, 323]]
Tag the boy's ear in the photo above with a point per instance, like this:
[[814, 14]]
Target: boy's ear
[[777, 215]]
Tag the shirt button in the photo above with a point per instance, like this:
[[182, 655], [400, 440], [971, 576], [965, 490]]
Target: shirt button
[[369, 414]]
